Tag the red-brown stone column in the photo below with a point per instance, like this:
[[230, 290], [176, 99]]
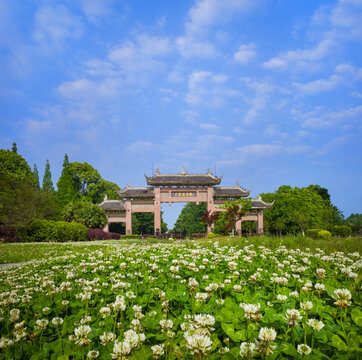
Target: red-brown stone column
[[210, 204], [238, 227], [260, 223], [128, 217], [157, 210]]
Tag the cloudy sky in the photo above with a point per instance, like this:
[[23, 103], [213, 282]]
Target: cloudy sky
[[264, 92]]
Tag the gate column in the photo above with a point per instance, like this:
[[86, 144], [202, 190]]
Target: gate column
[[210, 204], [238, 227], [260, 223], [157, 210], [128, 217]]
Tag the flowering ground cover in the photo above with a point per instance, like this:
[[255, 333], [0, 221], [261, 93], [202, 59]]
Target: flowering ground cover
[[183, 301]]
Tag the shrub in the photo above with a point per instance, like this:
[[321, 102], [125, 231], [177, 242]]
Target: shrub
[[97, 234], [324, 235], [43, 230], [60, 231], [341, 231], [198, 235], [8, 234], [313, 233], [70, 231], [210, 235]]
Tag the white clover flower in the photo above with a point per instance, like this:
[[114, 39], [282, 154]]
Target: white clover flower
[[247, 349], [5, 342], [203, 323], [315, 324], [251, 311], [201, 297], [14, 315], [105, 311], [198, 344], [267, 334], [93, 354], [306, 305], [304, 349], [107, 338], [220, 302], [166, 324], [282, 298], [343, 297], [293, 316], [81, 335], [57, 321], [41, 324], [237, 288], [294, 294], [120, 349], [158, 350]]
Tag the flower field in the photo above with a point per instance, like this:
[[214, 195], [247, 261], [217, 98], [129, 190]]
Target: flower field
[[183, 301]]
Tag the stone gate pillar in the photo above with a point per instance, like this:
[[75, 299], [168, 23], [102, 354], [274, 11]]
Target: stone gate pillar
[[128, 217], [210, 204], [238, 227], [157, 210], [106, 227], [260, 223]]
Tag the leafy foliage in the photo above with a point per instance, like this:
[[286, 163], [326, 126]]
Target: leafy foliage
[[47, 184], [60, 231], [86, 213], [297, 209], [21, 202], [341, 230], [189, 221], [15, 164]]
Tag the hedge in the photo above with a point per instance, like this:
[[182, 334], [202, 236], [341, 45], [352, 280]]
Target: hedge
[[324, 235], [59, 231], [98, 234], [341, 231], [313, 233]]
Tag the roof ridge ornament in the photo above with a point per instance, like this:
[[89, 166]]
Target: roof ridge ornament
[[183, 171], [157, 172], [208, 172], [128, 185], [237, 184]]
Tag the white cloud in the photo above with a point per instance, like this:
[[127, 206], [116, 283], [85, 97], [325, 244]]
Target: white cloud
[[245, 54], [300, 58], [322, 118], [96, 10], [343, 74], [54, 25], [202, 17], [330, 145], [205, 88], [208, 126]]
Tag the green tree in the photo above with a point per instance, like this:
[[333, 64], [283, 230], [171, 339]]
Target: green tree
[[21, 202], [355, 221], [36, 176], [189, 221], [97, 191], [146, 223], [47, 179], [86, 213], [83, 176], [295, 209], [14, 148], [12, 163], [66, 192]]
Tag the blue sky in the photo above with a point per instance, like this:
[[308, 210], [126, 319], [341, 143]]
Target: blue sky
[[266, 92]]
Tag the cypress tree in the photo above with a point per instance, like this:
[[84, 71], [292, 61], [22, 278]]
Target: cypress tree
[[14, 148], [47, 179], [66, 190], [36, 176]]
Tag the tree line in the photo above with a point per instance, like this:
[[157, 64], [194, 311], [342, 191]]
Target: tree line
[[80, 187], [294, 211]]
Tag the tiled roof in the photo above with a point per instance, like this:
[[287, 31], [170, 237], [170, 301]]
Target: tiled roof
[[183, 179], [230, 191], [113, 205], [136, 192], [259, 203]]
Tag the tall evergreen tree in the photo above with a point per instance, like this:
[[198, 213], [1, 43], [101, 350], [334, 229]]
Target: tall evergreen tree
[[36, 176], [14, 148], [66, 190], [47, 179]]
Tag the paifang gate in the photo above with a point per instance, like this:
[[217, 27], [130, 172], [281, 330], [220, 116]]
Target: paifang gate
[[181, 187]]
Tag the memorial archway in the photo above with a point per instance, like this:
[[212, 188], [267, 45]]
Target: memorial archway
[[179, 188]]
